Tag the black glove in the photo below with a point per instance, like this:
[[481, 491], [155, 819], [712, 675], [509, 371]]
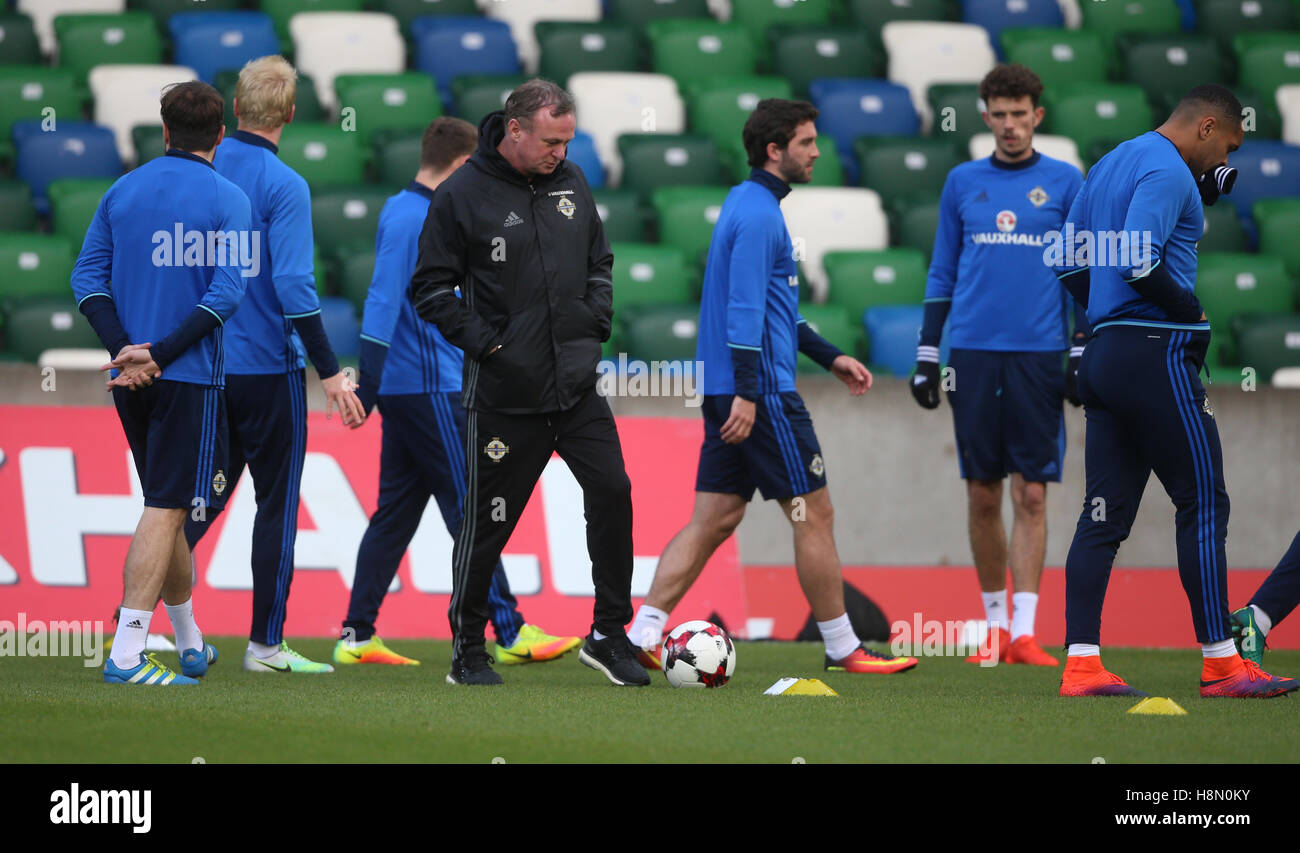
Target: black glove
[[1218, 181], [925, 381], [1072, 376]]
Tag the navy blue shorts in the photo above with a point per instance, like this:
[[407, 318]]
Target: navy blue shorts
[[177, 433], [781, 456], [1007, 413]]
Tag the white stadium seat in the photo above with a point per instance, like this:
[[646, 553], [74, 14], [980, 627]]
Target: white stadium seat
[[1060, 147], [1288, 104], [613, 103], [128, 95], [1071, 13], [327, 44], [926, 52], [43, 12], [825, 219], [522, 16]]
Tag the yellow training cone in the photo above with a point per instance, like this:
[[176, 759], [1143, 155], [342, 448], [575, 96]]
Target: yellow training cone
[[1157, 705], [799, 687]]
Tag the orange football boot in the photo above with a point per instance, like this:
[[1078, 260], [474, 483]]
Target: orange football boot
[[1025, 649], [996, 647], [1239, 678], [865, 660], [1085, 676]]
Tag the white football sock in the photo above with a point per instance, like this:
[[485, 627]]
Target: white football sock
[[838, 636], [129, 638], [188, 635], [262, 652], [1022, 617], [647, 629], [1083, 650], [995, 608], [1221, 649], [1262, 621]]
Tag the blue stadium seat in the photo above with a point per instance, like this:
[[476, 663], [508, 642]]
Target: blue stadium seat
[[1265, 170], [892, 334], [998, 15], [854, 107], [582, 152], [76, 149], [209, 42], [339, 317], [448, 46]]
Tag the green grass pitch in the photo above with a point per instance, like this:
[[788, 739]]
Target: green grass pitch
[[56, 710]]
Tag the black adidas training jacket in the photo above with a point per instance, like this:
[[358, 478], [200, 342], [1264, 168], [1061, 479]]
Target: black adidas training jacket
[[533, 266]]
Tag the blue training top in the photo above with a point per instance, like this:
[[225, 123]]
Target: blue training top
[[260, 338], [988, 254], [168, 237], [1139, 209], [419, 359]]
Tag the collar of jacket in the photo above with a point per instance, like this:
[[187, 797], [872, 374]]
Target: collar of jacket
[[490, 133], [778, 187]]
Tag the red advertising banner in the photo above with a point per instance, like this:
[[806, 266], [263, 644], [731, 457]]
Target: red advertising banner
[[70, 499]]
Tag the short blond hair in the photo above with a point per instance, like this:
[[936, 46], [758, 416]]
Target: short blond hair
[[265, 91]]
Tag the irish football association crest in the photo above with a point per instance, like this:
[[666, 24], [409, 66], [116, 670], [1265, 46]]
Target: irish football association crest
[[1206, 407], [817, 466], [496, 449], [565, 206], [1038, 197], [219, 482]]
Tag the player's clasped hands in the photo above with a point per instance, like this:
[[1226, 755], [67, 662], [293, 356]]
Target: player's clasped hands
[[852, 373], [340, 393], [135, 366]]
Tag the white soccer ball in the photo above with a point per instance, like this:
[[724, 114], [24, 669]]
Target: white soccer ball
[[698, 654]]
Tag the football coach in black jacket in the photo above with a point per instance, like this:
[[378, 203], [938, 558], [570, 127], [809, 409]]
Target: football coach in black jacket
[[517, 231]]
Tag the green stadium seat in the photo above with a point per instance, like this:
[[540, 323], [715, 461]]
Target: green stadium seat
[[1110, 19], [1224, 19], [916, 226], [686, 218], [872, 15], [1268, 344], [956, 109], [37, 325], [406, 11], [89, 40], [73, 202], [861, 280], [621, 213], [829, 170], [1164, 64], [719, 108], [661, 332], [323, 153], [26, 91], [147, 140], [1231, 285], [1058, 57], [356, 269], [653, 160], [640, 13], [282, 10], [476, 95], [1223, 231], [344, 217], [306, 104], [17, 213], [691, 50], [1266, 61], [18, 42], [569, 47], [649, 274], [1089, 113], [805, 53], [407, 101], [1278, 223], [33, 265], [396, 156], [900, 167], [834, 324], [762, 17]]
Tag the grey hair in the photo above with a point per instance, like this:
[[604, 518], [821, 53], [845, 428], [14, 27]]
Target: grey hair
[[534, 95]]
